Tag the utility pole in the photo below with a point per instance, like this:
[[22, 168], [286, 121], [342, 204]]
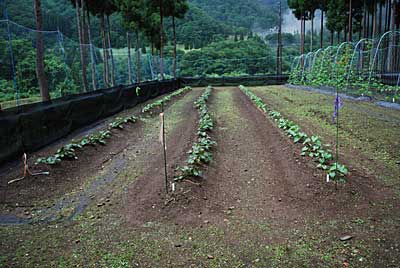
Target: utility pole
[[279, 49]]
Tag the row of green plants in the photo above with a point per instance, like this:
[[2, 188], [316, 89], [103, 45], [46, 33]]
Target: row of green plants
[[329, 69], [69, 151], [157, 104], [312, 145], [200, 154]]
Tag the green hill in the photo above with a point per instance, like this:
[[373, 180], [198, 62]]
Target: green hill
[[240, 13], [207, 20]]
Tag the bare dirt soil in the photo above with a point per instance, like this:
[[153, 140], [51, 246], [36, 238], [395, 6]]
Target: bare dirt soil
[[260, 204], [257, 171], [70, 176]]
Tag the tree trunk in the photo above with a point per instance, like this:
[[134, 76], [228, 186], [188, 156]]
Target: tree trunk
[[321, 34], [304, 35], [368, 24], [364, 20], [279, 52], [374, 20], [84, 38], [301, 36], [111, 52], [312, 31], [350, 26], [161, 41], [380, 18], [174, 31], [40, 73], [397, 21], [92, 56], [105, 51], [82, 47], [128, 38], [137, 58], [388, 15], [303, 45], [393, 39], [332, 33], [338, 38]]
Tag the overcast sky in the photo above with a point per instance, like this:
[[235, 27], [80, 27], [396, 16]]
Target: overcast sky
[[291, 24]]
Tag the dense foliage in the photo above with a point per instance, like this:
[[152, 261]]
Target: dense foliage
[[338, 70], [199, 27], [241, 13], [26, 74], [228, 57]]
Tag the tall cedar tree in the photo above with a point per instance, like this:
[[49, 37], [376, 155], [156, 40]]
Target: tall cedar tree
[[159, 5], [177, 10], [40, 66], [81, 37], [134, 13]]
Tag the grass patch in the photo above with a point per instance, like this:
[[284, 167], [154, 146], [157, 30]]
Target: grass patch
[[368, 132]]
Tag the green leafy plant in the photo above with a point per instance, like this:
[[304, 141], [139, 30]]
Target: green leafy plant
[[120, 122], [188, 171], [69, 151], [51, 160], [149, 107], [313, 146], [65, 152], [200, 154], [338, 172]]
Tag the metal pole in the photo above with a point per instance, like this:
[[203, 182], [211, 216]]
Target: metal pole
[[60, 43], [12, 58], [149, 59]]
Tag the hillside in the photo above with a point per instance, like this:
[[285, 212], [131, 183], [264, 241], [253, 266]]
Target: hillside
[[207, 20], [241, 13]]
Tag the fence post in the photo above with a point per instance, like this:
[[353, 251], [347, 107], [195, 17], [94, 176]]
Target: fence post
[[151, 66], [10, 46], [130, 76], [60, 40]]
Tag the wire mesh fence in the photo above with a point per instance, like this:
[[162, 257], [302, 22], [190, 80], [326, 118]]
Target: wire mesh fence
[[67, 72], [74, 68]]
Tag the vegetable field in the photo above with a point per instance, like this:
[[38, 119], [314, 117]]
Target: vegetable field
[[255, 178]]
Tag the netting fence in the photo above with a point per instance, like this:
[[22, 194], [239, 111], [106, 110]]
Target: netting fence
[[368, 67], [74, 68], [63, 65]]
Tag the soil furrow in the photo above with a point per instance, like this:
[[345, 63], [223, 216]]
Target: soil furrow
[[254, 163], [146, 199], [258, 172], [96, 170]]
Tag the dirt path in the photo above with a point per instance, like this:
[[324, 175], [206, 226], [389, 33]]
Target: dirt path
[[259, 174], [258, 181], [73, 185], [259, 205], [146, 199]]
